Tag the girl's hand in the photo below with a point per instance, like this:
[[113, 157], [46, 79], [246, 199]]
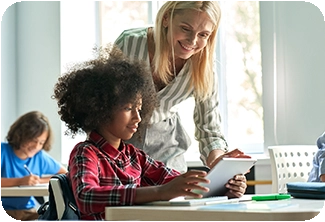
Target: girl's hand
[[236, 186], [183, 185]]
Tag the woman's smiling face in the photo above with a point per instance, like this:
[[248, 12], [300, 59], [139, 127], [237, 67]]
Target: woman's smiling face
[[189, 33]]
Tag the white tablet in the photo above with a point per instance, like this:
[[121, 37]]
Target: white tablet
[[225, 169]]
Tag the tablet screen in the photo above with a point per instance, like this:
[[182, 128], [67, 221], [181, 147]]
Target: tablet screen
[[225, 169]]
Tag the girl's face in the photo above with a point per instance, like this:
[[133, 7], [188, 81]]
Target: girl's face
[[123, 124], [190, 32], [30, 148]]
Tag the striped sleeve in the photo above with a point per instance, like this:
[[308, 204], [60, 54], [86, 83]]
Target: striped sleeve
[[133, 43], [208, 121]]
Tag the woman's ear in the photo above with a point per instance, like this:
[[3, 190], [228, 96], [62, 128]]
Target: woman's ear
[[165, 20]]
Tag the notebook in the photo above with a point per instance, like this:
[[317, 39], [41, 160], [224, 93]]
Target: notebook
[[182, 201], [260, 206]]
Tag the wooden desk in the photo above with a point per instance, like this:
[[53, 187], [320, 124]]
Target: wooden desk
[[20, 191], [303, 209]]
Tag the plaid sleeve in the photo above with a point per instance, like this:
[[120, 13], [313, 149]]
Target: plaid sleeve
[[94, 182], [155, 172]]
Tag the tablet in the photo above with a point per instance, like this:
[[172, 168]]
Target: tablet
[[225, 169]]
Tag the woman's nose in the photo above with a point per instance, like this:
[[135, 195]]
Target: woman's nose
[[192, 38]]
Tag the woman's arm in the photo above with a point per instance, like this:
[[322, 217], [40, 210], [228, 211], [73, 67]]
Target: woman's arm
[[212, 142]]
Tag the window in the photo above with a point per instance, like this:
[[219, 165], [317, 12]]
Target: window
[[240, 40], [238, 64]]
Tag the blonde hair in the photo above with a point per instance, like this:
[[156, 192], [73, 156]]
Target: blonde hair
[[202, 79]]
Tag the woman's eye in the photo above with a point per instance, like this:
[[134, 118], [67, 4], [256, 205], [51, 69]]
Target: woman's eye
[[205, 35], [185, 29]]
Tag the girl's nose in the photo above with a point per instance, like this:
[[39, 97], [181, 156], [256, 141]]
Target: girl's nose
[[136, 115]]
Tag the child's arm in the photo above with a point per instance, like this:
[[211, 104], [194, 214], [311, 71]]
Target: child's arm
[[47, 179], [179, 186], [322, 178], [27, 180]]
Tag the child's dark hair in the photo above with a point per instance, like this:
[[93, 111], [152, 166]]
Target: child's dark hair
[[90, 92], [28, 127]]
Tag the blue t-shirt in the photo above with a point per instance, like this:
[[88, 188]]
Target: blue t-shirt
[[13, 167], [318, 161]]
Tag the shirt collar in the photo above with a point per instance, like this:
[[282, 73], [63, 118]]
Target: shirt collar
[[101, 143]]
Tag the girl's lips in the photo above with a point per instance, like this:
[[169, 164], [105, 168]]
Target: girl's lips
[[133, 128]]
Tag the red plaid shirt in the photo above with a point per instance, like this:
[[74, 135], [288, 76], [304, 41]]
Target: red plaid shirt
[[104, 176]]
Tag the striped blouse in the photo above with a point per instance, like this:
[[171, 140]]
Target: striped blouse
[[133, 42]]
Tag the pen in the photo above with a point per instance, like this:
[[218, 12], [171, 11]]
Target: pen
[[271, 197], [28, 170]]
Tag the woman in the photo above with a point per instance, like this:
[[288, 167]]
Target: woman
[[24, 162], [179, 50]]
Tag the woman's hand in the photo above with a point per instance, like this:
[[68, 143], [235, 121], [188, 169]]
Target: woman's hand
[[236, 186], [183, 185], [216, 155]]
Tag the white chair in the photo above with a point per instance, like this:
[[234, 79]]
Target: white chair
[[290, 163], [58, 197]]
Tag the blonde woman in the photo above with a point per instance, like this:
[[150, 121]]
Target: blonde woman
[[179, 50]]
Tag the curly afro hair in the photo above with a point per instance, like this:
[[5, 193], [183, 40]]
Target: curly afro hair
[[89, 93]]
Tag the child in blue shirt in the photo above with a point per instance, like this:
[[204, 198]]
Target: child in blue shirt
[[317, 173], [24, 160]]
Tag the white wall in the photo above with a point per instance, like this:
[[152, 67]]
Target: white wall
[[31, 55], [8, 70], [30, 63], [294, 34], [293, 63]]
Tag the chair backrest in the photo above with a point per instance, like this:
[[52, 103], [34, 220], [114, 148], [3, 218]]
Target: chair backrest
[[61, 204], [58, 197], [290, 163]]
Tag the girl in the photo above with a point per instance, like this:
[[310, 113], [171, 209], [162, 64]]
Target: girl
[[104, 98]]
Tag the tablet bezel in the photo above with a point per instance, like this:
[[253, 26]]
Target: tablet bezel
[[224, 170]]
